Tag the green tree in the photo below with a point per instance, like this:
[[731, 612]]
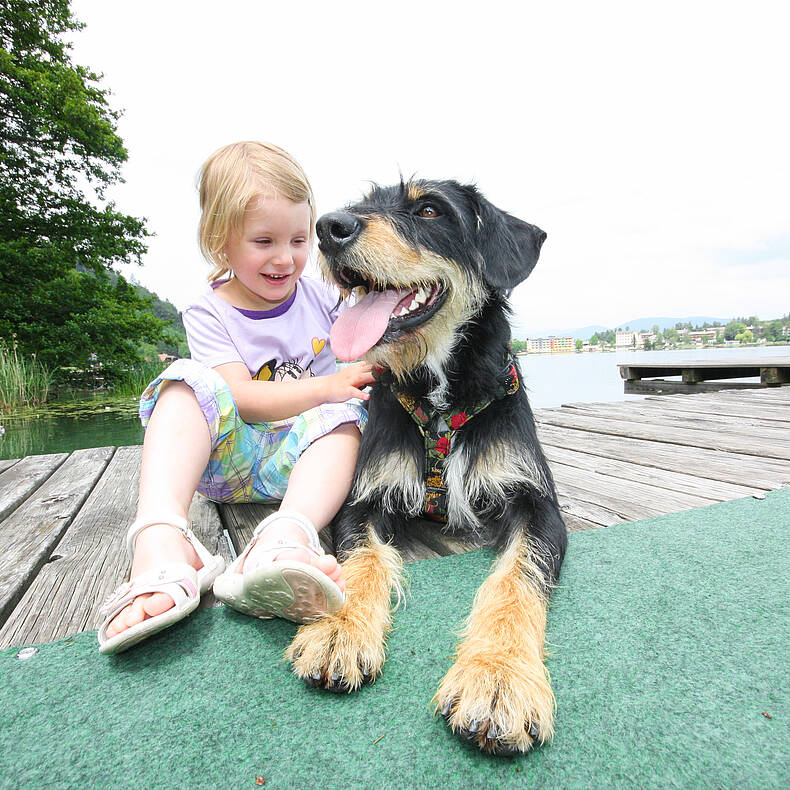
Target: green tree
[[773, 331], [579, 345], [745, 337], [733, 328], [59, 151]]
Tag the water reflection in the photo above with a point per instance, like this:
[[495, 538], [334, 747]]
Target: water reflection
[[62, 433]]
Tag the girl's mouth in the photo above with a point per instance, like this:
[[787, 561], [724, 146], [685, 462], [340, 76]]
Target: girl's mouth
[[275, 278]]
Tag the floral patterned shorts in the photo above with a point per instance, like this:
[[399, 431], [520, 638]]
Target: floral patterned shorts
[[250, 462]]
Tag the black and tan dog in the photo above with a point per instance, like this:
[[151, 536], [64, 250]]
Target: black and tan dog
[[451, 435]]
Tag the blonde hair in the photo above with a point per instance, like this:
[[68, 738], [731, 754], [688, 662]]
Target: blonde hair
[[233, 176]]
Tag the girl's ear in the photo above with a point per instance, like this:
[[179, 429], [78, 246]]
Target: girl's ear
[[509, 247]]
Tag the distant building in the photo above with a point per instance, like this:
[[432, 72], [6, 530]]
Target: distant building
[[628, 340], [538, 345], [562, 344], [703, 335], [550, 345]]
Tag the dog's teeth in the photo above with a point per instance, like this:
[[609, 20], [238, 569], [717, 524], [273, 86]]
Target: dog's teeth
[[421, 295], [404, 311], [414, 304]]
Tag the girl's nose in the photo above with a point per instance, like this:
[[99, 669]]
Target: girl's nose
[[284, 256]]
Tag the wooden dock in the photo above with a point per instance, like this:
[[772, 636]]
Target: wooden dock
[[706, 375], [63, 516]]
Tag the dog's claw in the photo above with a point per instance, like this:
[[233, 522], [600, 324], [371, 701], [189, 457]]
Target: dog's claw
[[533, 732], [446, 708]]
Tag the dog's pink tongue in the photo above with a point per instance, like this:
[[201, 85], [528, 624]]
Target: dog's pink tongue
[[360, 327]]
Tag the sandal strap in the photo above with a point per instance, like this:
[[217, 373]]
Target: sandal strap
[[178, 580], [177, 522], [307, 526], [313, 545]]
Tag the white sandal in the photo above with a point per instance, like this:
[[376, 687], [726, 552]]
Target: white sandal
[[296, 591], [179, 580]]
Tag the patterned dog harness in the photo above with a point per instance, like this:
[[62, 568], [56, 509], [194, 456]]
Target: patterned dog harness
[[438, 428]]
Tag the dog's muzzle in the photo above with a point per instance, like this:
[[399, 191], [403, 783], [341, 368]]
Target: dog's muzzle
[[336, 231]]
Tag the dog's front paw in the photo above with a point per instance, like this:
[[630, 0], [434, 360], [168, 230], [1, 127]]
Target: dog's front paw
[[337, 653], [501, 704]]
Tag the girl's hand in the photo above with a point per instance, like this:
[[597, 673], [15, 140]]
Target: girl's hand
[[348, 381]]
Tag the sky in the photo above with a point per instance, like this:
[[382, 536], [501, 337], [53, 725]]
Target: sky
[[651, 141]]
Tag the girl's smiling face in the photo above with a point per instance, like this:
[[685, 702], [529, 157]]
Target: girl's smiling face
[[268, 255]]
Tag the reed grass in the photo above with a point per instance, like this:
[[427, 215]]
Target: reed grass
[[136, 379], [24, 382]]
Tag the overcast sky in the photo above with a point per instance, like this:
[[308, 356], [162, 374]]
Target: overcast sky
[[651, 141]]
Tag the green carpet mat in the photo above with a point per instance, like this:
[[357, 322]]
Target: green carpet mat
[[669, 645]]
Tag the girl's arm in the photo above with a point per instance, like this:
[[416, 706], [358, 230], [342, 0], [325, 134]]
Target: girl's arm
[[265, 401]]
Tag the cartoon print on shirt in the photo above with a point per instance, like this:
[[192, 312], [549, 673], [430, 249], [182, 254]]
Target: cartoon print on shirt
[[271, 371]]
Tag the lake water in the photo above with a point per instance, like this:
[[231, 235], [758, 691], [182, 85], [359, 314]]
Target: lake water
[[554, 379], [551, 380]]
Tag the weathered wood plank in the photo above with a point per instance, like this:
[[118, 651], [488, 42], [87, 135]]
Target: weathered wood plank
[[412, 545], [93, 560], [577, 509], [31, 533], [21, 479], [651, 414], [7, 464], [430, 533], [578, 524], [761, 473], [630, 499], [705, 488], [775, 397], [774, 413], [687, 437], [672, 387], [702, 369]]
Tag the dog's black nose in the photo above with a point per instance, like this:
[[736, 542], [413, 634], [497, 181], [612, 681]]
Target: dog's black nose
[[336, 230]]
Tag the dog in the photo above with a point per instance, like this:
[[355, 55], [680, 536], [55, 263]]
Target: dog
[[450, 436]]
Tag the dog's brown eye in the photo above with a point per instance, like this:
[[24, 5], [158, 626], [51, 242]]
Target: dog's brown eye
[[429, 212]]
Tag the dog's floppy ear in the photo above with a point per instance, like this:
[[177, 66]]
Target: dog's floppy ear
[[509, 246]]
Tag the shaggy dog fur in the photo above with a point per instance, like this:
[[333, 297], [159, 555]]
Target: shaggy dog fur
[[451, 435]]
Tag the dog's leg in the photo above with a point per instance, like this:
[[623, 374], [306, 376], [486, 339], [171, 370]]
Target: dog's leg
[[497, 695], [341, 652]]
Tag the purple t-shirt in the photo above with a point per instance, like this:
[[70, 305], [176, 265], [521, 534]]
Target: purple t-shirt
[[290, 341]]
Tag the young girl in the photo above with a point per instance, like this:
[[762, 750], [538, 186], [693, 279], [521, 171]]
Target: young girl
[[258, 414]]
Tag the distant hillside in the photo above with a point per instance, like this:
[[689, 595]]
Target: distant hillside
[[161, 308], [520, 331]]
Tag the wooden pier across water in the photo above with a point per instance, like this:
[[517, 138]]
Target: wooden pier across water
[[63, 516], [705, 375]]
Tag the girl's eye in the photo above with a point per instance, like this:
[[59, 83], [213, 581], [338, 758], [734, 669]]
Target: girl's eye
[[263, 241], [429, 212]]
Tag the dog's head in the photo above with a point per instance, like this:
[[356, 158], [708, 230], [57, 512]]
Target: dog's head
[[423, 257]]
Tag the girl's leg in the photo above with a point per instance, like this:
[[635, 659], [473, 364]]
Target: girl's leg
[[176, 450], [317, 487]]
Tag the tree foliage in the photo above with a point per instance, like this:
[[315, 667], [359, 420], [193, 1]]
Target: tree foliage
[[59, 151]]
